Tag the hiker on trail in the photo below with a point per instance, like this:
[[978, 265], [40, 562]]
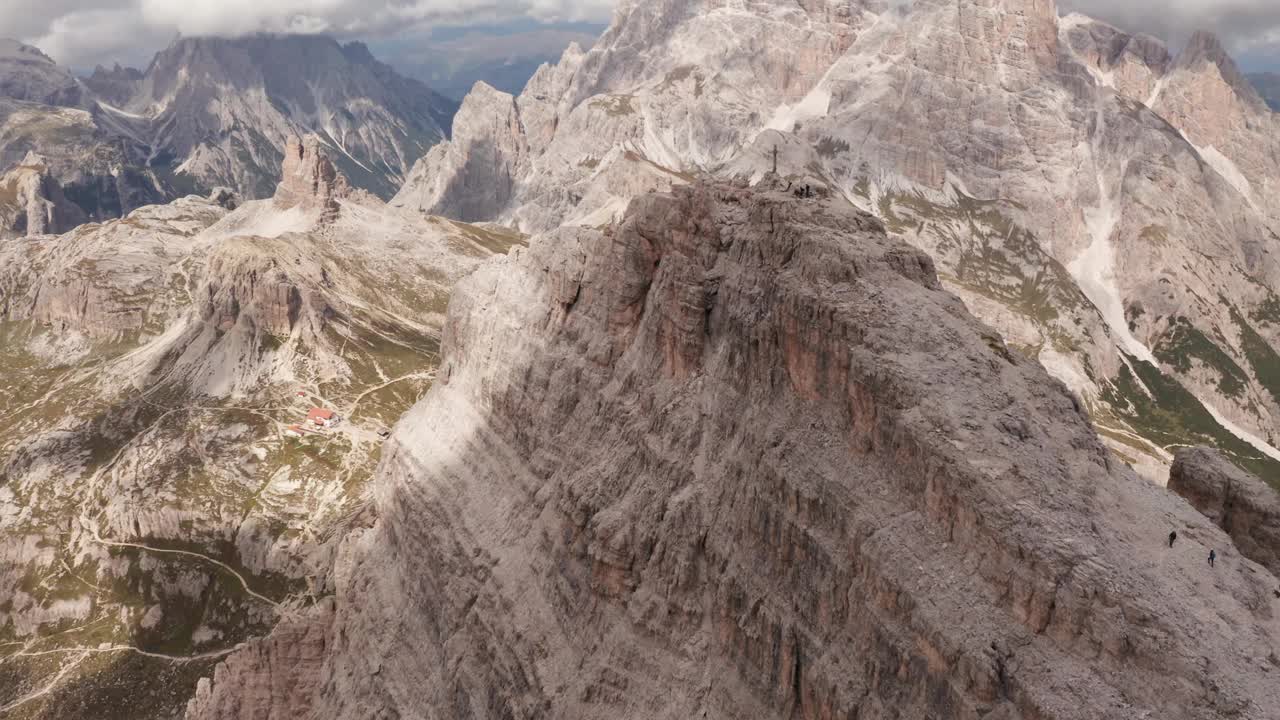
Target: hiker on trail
[[1213, 555], [1173, 536]]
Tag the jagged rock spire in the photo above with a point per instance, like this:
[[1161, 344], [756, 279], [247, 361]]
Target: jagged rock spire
[[309, 178]]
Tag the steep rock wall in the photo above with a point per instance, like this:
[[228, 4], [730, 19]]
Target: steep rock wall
[[741, 456]]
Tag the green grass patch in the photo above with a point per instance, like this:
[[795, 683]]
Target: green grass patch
[[1183, 344], [1170, 415], [1261, 356]]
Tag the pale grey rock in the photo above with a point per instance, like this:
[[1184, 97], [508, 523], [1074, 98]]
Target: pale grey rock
[[1133, 64], [116, 86], [671, 88], [45, 109], [741, 455], [103, 174], [277, 672], [309, 180], [211, 112]]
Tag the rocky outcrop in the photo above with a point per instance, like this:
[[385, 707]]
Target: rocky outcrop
[[213, 112], [1211, 102], [309, 180], [98, 170], [672, 88], [1245, 507], [33, 203], [741, 456], [1132, 64], [91, 152], [105, 282], [256, 290], [277, 672]]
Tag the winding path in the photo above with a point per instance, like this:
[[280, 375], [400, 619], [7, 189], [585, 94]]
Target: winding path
[[112, 543]]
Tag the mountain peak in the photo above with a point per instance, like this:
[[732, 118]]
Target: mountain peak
[[312, 83], [1206, 49], [28, 74], [309, 178], [358, 52], [1205, 46]]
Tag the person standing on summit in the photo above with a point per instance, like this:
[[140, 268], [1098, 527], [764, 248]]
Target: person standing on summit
[[1213, 555], [1172, 536]]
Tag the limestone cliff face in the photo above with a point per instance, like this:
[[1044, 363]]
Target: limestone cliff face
[[277, 673], [741, 456], [1242, 505]]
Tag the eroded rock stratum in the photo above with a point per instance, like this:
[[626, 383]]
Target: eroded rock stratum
[[740, 456]]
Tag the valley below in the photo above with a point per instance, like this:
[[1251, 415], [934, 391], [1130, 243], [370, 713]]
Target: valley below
[[165, 492]]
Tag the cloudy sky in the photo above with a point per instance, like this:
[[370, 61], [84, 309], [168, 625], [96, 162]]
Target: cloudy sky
[[1250, 28], [81, 33]]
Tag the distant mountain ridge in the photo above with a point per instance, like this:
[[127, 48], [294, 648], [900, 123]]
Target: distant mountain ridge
[[1268, 85], [214, 112], [223, 107]]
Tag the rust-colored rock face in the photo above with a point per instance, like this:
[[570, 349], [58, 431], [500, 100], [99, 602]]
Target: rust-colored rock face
[[1242, 505], [740, 456]]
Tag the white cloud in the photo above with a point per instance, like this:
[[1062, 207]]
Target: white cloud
[[83, 32]]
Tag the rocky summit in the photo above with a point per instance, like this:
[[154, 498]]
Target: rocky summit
[[741, 455], [1096, 198]]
